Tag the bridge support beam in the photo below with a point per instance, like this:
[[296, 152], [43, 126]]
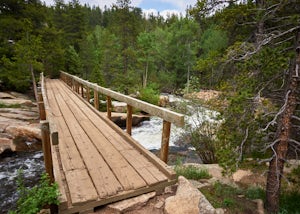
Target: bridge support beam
[[108, 107], [47, 149], [129, 119], [164, 150]]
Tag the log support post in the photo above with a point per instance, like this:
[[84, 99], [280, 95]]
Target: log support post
[[108, 107], [129, 119], [77, 87], [47, 149], [41, 106], [88, 94], [82, 92], [96, 99], [164, 150]]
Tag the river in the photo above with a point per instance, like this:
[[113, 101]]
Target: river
[[32, 165]]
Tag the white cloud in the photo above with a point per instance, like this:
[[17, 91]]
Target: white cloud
[[168, 13], [181, 5], [149, 12]]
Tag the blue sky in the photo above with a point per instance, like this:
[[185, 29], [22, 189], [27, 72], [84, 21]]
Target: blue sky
[[148, 6]]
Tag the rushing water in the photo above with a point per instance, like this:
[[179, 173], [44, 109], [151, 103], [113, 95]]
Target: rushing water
[[32, 165], [149, 133]]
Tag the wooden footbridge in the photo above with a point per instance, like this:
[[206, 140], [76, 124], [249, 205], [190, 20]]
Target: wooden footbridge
[[93, 161]]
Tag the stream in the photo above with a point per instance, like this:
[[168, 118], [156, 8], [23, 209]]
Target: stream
[[32, 165]]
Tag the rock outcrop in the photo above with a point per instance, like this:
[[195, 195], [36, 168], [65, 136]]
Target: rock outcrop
[[194, 201], [19, 127]]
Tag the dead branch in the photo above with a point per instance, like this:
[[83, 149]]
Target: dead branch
[[242, 144], [273, 122], [294, 141]]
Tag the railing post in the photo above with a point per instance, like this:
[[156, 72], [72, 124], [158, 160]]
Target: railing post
[[47, 149], [88, 94], [108, 107], [77, 87], [164, 150], [82, 94], [129, 119], [96, 99], [41, 106]]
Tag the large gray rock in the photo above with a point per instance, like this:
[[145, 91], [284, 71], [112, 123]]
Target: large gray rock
[[188, 199]]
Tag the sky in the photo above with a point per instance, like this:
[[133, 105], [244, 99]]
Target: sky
[[164, 7]]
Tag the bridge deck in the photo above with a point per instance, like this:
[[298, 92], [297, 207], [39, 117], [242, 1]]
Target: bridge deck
[[95, 162]]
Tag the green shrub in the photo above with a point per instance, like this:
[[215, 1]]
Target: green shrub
[[191, 172], [289, 202], [255, 193], [32, 200], [3, 105], [150, 95]]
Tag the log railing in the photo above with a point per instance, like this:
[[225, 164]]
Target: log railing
[[48, 128], [84, 88]]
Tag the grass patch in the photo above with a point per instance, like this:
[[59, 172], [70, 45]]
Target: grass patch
[[191, 172], [289, 202], [230, 198], [3, 105], [255, 193]]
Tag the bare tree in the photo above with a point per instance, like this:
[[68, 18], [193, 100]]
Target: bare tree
[[283, 135]]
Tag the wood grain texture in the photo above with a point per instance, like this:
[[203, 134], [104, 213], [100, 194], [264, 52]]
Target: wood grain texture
[[94, 164]]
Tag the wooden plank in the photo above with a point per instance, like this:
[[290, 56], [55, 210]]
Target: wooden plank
[[107, 181], [81, 189], [59, 179], [119, 197], [127, 176], [70, 155], [121, 145], [173, 117], [49, 115], [163, 167], [79, 192]]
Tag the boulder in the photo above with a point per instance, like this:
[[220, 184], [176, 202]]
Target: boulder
[[120, 119], [194, 201], [5, 144], [132, 203], [163, 101], [4, 95], [5, 122], [31, 131], [19, 144], [119, 107], [21, 102], [240, 174], [19, 116]]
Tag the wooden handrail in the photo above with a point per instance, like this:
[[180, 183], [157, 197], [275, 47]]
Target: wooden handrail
[[48, 113], [167, 115]]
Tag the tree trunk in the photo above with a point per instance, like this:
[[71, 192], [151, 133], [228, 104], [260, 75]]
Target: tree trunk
[[145, 78], [283, 137]]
